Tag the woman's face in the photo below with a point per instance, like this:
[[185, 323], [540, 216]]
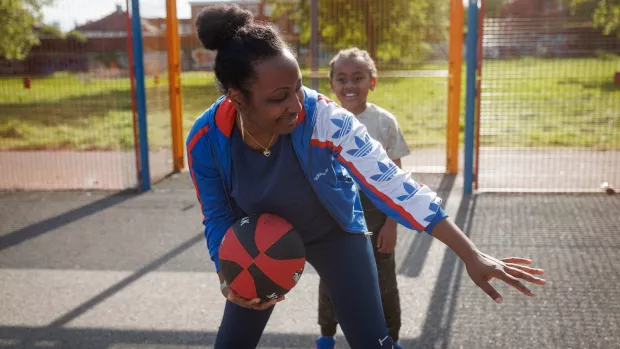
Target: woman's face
[[276, 95]]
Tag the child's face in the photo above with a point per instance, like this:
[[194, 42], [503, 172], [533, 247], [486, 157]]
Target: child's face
[[351, 82]]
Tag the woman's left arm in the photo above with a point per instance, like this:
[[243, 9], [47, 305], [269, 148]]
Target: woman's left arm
[[391, 189], [411, 204], [482, 267]]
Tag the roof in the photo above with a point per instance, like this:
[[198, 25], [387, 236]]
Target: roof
[[211, 2], [115, 21]]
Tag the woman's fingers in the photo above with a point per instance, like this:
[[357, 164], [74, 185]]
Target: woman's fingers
[[517, 260], [263, 306], [529, 270], [255, 303], [513, 281], [492, 292], [266, 305], [525, 276], [511, 270], [235, 298]]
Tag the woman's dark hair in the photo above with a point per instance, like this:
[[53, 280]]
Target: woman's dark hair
[[240, 43]]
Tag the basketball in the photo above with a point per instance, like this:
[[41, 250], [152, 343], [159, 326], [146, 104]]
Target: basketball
[[262, 257]]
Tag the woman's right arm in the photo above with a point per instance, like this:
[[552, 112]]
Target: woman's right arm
[[216, 209], [217, 213]]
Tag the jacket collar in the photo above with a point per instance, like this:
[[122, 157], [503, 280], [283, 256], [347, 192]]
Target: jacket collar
[[225, 115]]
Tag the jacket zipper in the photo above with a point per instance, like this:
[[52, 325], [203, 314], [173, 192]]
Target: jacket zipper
[[308, 177]]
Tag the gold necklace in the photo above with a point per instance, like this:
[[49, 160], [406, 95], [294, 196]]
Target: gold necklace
[[266, 150]]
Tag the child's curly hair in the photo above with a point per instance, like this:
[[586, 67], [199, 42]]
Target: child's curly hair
[[354, 52]]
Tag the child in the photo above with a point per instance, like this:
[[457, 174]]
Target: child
[[352, 74]]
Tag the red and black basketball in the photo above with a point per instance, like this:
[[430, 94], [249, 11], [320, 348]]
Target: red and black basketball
[[262, 256]]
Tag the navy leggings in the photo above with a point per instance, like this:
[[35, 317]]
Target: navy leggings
[[346, 264]]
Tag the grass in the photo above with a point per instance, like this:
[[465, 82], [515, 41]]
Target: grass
[[537, 103], [526, 102]]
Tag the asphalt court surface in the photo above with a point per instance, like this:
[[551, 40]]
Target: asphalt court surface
[[121, 270]]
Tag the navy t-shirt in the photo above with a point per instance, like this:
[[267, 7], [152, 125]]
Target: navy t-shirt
[[277, 185]]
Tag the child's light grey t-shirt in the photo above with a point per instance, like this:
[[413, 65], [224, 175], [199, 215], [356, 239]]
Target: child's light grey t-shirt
[[383, 127]]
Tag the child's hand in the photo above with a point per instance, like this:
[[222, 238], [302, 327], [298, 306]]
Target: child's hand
[[386, 241], [484, 267]]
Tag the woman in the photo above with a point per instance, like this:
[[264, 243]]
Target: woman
[[272, 146]]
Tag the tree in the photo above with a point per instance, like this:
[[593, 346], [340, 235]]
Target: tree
[[493, 8], [391, 30], [48, 31], [605, 13], [17, 33], [76, 36]]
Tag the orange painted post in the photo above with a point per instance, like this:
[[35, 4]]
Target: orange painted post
[[453, 127], [174, 84]]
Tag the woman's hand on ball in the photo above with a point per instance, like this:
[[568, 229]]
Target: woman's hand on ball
[[251, 304]]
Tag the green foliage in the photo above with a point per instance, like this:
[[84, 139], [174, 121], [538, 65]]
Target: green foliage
[[51, 32], [77, 36], [605, 13], [398, 31], [48, 31], [493, 8], [17, 20]]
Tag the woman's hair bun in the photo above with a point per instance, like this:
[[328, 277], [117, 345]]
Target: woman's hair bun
[[217, 24]]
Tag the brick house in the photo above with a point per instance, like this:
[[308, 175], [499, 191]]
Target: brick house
[[105, 51], [111, 31], [543, 28]]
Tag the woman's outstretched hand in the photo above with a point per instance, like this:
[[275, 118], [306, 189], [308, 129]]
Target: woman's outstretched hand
[[482, 268]]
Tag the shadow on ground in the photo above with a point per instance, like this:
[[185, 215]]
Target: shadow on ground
[[571, 236], [56, 335]]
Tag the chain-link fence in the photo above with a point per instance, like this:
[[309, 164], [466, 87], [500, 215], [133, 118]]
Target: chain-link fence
[[408, 39], [550, 109], [409, 42], [68, 116], [65, 111], [69, 105]]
